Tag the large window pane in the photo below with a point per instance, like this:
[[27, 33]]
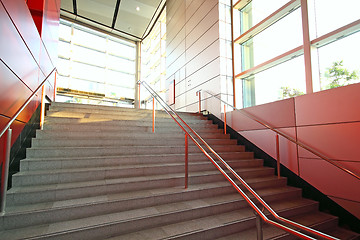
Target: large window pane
[[275, 40], [333, 14], [256, 11], [280, 82], [338, 61], [86, 55], [121, 64], [121, 50], [87, 72], [94, 62], [91, 40]]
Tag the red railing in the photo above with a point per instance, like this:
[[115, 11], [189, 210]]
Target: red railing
[[260, 215], [8, 130]]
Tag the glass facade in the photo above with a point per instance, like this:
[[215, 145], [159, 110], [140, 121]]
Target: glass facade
[[271, 46], [153, 66], [94, 67]]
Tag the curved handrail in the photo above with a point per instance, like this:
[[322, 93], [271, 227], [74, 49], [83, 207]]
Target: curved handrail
[[25, 104], [248, 200], [320, 155]]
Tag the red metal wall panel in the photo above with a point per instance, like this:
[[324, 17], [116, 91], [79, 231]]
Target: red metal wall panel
[[23, 21], [14, 52], [327, 121], [331, 106], [13, 93]]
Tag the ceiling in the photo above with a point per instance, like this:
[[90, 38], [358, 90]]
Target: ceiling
[[131, 19]]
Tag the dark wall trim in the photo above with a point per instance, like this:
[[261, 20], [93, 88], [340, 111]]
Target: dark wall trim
[[18, 149], [346, 219]]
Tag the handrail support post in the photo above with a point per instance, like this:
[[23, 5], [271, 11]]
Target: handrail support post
[[224, 118], [5, 170], [186, 161], [278, 155], [42, 110], [153, 116], [259, 227], [198, 93]]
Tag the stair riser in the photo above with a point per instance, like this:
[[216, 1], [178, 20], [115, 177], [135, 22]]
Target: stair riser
[[118, 151], [137, 122], [137, 114], [55, 178], [119, 142], [126, 125], [43, 164], [124, 129], [123, 227], [45, 134], [107, 117], [52, 121], [238, 226], [84, 211], [17, 198]]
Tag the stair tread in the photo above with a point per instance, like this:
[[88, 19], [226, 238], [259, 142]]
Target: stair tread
[[13, 210], [99, 183], [110, 168], [136, 214]]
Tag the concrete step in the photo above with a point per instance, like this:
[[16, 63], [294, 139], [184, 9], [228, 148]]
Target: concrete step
[[83, 107], [317, 220], [120, 150], [128, 135], [77, 162], [118, 124], [132, 129], [102, 226], [66, 191], [40, 177], [121, 141], [117, 115], [134, 122], [30, 215]]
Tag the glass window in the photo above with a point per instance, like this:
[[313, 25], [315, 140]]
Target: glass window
[[91, 61], [256, 11], [121, 50], [87, 72], [332, 14], [64, 49], [92, 41], [85, 55], [121, 64], [282, 81], [338, 62], [272, 41]]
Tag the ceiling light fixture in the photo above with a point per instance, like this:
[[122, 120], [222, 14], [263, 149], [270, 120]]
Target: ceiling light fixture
[[137, 8]]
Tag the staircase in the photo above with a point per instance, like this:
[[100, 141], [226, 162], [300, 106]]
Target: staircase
[[98, 172]]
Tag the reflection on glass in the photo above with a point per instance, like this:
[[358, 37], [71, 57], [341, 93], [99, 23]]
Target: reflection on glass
[[333, 14], [282, 81], [94, 62], [339, 62], [272, 41], [257, 10], [91, 40]]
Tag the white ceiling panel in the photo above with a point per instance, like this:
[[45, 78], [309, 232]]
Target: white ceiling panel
[[133, 18]]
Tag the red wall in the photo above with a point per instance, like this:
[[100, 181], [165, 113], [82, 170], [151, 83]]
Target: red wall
[[327, 121], [27, 57]]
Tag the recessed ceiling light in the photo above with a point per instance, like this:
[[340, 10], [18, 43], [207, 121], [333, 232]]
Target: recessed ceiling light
[[137, 8]]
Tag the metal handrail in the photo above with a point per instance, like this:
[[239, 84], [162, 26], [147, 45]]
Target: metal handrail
[[259, 214], [320, 155], [25, 104], [5, 166]]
